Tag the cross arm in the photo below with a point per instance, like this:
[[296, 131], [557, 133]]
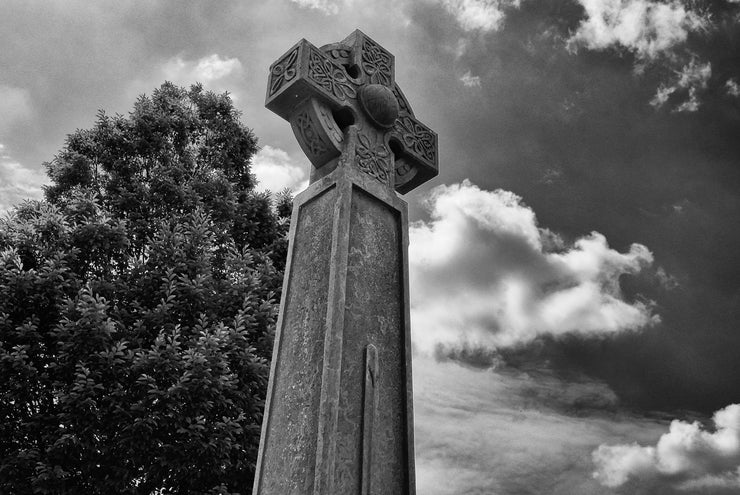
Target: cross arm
[[306, 72], [305, 87], [414, 146]]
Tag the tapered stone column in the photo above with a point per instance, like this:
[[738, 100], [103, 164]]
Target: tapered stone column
[[339, 416]]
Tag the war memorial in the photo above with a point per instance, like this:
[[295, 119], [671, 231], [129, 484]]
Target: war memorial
[[339, 413]]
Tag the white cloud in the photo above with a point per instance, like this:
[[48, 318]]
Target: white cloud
[[275, 171], [328, 7], [483, 276], [206, 70], [687, 457], [691, 79], [645, 27], [17, 182], [479, 15], [215, 72], [732, 87], [470, 81], [15, 106], [661, 95]]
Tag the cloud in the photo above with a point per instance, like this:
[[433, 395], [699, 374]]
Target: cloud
[[645, 27], [489, 432], [470, 81], [484, 276], [479, 15], [688, 457], [206, 70], [215, 72], [328, 7], [691, 79], [275, 171], [732, 87], [17, 182], [15, 106]]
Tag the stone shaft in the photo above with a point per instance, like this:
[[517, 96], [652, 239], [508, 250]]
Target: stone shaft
[[339, 418]]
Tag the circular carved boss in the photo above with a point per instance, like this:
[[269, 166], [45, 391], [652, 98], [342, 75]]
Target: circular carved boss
[[380, 104]]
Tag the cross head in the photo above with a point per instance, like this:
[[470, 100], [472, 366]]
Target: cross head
[[345, 109]]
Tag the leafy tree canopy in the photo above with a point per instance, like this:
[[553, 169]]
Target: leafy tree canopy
[[137, 307]]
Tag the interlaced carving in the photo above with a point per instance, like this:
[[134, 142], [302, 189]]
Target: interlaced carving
[[330, 125], [313, 140], [283, 71], [416, 137], [376, 63], [373, 160], [353, 109], [330, 76]]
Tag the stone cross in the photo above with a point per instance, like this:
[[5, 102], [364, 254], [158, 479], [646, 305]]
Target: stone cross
[[338, 415]]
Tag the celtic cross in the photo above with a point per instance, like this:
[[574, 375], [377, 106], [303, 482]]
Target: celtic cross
[[345, 108], [339, 411]]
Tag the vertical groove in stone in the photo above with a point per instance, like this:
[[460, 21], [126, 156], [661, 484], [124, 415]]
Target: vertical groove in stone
[[368, 415], [328, 409], [374, 314]]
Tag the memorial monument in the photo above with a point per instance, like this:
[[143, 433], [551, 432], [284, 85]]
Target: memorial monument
[[339, 417]]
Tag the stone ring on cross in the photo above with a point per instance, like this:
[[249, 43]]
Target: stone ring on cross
[[345, 108]]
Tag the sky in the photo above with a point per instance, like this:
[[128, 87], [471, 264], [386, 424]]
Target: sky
[[574, 268]]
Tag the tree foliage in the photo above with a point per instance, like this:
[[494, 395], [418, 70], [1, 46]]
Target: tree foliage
[[137, 307]]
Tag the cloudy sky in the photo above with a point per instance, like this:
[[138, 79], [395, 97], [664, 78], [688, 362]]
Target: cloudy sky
[[575, 267]]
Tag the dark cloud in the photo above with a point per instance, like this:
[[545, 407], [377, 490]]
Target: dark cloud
[[575, 135]]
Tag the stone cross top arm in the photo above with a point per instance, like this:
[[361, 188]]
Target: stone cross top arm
[[352, 84], [339, 411]]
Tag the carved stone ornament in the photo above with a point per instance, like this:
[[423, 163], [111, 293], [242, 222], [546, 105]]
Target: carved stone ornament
[[283, 71], [380, 105], [325, 91], [374, 160]]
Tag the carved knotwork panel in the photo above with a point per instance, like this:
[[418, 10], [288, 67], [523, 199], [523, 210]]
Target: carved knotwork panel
[[331, 77], [373, 159], [376, 63], [307, 133], [417, 137], [284, 71], [317, 132]]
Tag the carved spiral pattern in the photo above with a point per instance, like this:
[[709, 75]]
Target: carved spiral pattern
[[376, 63], [283, 71], [309, 135], [373, 160], [416, 137], [330, 76], [338, 53]]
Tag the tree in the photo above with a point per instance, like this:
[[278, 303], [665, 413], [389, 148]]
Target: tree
[[137, 307]]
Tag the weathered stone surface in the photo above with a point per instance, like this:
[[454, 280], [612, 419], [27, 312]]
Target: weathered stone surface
[[339, 415], [298, 358]]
